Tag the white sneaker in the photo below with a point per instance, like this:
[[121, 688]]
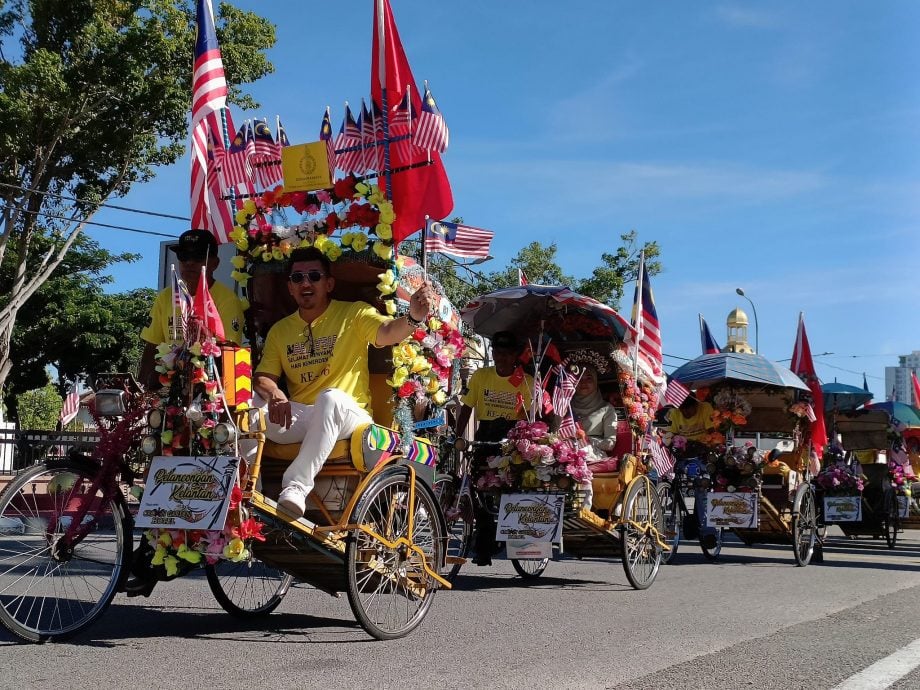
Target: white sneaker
[[293, 499]]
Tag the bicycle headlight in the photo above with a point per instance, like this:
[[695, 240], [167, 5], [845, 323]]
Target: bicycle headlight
[[224, 433], [155, 419], [111, 403], [149, 444]]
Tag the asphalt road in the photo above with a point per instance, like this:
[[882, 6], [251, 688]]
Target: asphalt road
[[752, 620]]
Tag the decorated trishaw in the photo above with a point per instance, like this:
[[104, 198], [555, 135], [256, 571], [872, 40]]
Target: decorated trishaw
[[760, 497], [538, 482], [865, 485]]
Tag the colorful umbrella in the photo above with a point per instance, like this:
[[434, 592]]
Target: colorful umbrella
[[904, 414], [528, 310]]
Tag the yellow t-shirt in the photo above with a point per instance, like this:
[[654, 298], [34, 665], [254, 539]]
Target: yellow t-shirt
[[692, 427], [496, 397], [162, 314], [335, 356]]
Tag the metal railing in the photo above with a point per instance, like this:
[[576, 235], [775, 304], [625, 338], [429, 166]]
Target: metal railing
[[20, 448]]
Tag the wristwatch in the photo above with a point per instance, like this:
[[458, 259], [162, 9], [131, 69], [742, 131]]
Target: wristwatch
[[413, 321]]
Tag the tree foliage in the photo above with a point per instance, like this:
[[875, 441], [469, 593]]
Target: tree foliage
[[39, 408], [94, 94]]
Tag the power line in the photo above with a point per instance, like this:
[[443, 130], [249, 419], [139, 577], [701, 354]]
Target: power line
[[101, 225], [92, 203]]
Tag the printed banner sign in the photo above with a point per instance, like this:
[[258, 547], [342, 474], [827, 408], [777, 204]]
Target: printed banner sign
[[305, 167], [842, 508], [732, 510], [531, 518], [528, 550], [188, 492], [903, 506]]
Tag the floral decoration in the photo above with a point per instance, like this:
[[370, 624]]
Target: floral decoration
[[736, 468], [178, 551], [532, 458], [839, 480], [900, 473], [730, 409], [802, 410], [640, 398], [180, 368]]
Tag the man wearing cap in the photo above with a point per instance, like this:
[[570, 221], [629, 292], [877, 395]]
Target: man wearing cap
[[501, 396], [196, 248]]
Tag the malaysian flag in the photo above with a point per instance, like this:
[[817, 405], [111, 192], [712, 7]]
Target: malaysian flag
[[431, 133], [402, 119], [349, 137], [707, 342], [661, 459], [568, 428], [676, 393], [267, 157], [564, 391], [325, 134], [368, 137], [209, 97], [522, 277], [457, 240], [647, 341], [220, 210], [182, 306], [236, 166], [70, 407]]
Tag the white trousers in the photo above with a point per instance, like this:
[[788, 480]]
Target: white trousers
[[333, 417]]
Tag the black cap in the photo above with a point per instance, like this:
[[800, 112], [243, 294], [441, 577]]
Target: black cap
[[504, 340], [195, 244]]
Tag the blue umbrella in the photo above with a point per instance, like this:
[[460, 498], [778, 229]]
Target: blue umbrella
[[842, 397], [908, 415], [709, 370]]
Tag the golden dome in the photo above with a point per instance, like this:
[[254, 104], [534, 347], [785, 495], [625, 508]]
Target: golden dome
[[736, 317]]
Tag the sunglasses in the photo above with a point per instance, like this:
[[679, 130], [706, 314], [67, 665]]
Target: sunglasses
[[314, 276]]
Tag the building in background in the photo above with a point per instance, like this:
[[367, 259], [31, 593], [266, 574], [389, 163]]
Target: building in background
[[897, 379]]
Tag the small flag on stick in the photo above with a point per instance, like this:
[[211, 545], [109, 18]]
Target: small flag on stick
[[70, 407]]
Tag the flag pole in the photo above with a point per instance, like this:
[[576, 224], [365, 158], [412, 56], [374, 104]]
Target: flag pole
[[425, 249], [382, 80], [637, 307], [175, 297]]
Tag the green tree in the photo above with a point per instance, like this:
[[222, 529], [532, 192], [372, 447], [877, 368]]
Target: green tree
[[94, 94], [607, 283], [39, 408]]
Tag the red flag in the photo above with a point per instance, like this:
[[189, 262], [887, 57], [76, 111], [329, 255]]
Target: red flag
[[206, 310], [913, 378], [71, 406], [420, 191], [804, 367], [522, 277]]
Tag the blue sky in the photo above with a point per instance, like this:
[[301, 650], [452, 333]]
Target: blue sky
[[768, 146]]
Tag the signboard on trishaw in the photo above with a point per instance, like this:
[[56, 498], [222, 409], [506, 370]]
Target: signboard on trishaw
[[531, 517], [843, 508], [732, 510], [186, 492]]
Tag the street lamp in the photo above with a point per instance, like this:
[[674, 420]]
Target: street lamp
[[756, 327]]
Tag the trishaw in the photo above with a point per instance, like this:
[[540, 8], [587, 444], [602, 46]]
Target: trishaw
[[624, 519], [865, 445], [374, 529], [760, 502]]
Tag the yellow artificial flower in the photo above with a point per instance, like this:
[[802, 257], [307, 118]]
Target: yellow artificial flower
[[332, 251], [387, 284], [243, 244], [195, 349], [400, 374], [384, 251], [166, 438], [433, 385], [529, 479], [384, 231], [376, 197], [238, 261], [439, 398], [304, 243], [400, 262], [249, 206], [257, 250], [164, 538], [277, 254], [433, 324], [347, 238], [320, 242], [187, 554], [172, 566], [237, 233], [420, 365], [235, 550], [390, 307], [244, 302], [267, 256], [517, 458], [159, 555], [359, 243], [362, 188], [387, 215], [240, 276], [241, 217], [163, 350]]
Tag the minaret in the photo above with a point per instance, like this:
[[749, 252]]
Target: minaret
[[737, 324]]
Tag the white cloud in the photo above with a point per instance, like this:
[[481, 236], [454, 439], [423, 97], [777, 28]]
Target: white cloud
[[746, 17]]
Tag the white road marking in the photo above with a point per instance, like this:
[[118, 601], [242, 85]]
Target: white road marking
[[886, 672]]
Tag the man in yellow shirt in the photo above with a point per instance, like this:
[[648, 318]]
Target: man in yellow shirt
[[196, 248], [321, 352], [692, 420]]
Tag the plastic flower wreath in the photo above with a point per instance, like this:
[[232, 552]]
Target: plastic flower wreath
[[640, 399], [532, 458], [179, 551], [731, 409]]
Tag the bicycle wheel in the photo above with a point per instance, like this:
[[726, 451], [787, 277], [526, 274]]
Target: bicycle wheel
[[804, 526], [248, 589], [642, 516], [530, 568], [50, 587], [388, 588], [892, 521], [711, 548], [673, 519], [459, 516]]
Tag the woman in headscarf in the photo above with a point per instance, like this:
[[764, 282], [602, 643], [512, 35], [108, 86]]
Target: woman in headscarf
[[597, 417]]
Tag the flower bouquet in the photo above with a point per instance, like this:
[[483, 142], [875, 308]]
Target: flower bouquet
[[900, 473], [837, 480], [736, 468], [533, 459], [730, 409]]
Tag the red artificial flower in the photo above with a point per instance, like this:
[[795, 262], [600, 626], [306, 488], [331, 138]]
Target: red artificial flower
[[298, 201], [250, 529], [345, 188], [407, 389], [269, 198], [419, 334], [235, 497], [332, 222]]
